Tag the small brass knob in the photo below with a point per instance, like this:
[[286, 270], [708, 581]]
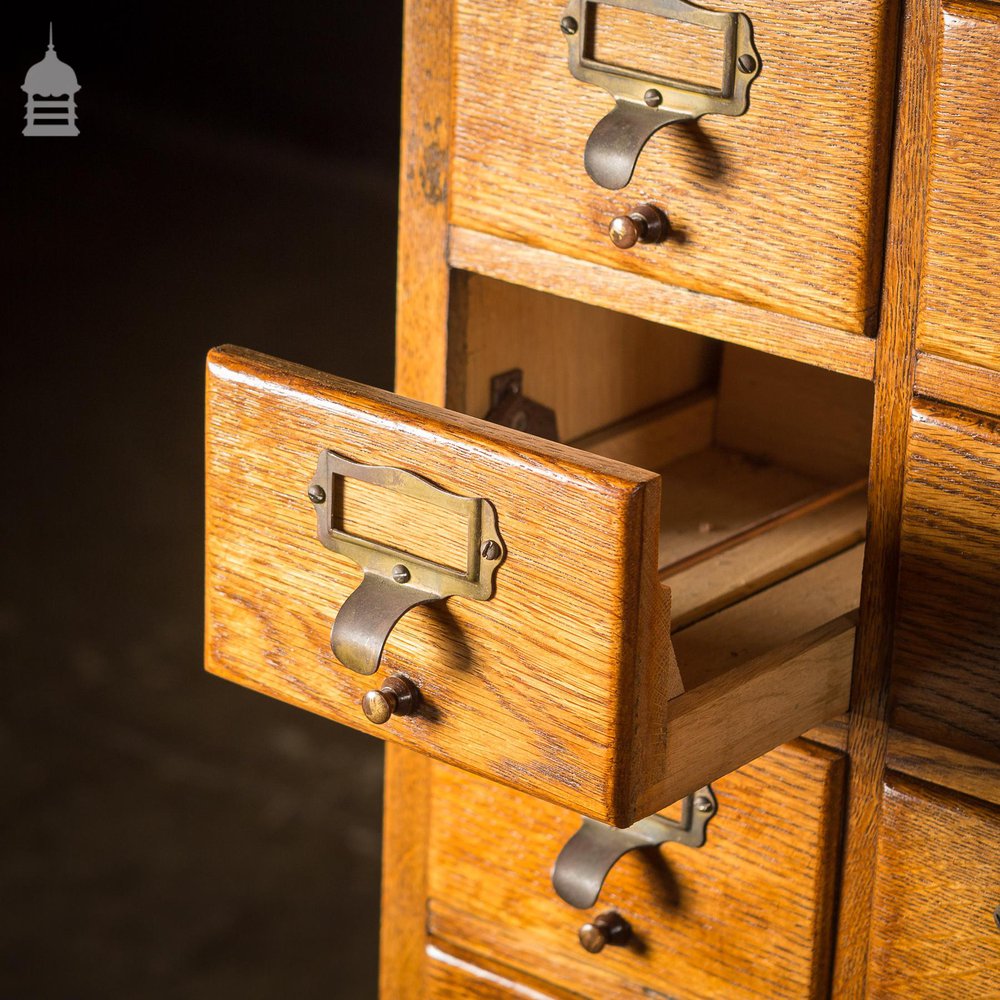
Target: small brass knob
[[397, 696], [644, 224], [606, 928]]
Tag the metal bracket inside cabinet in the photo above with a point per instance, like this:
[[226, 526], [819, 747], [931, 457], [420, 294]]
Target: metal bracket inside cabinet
[[590, 854], [646, 102], [395, 580], [509, 407]]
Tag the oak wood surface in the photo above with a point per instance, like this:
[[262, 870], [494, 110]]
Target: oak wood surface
[[797, 231], [558, 684], [602, 285], [957, 382], [747, 915], [456, 974], [868, 727], [937, 888], [592, 366], [940, 765], [958, 295], [945, 682]]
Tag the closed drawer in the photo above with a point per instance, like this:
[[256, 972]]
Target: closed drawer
[[958, 295], [780, 208], [451, 976], [746, 915], [556, 672], [935, 932], [945, 681]]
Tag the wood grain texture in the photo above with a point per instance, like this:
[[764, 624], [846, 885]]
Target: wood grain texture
[[805, 418], [795, 229], [700, 917], [942, 766], [957, 382], [558, 684], [868, 727], [455, 974], [592, 366], [936, 890], [946, 670], [423, 353], [958, 297], [622, 291]]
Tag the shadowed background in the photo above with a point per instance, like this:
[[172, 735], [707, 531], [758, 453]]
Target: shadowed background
[[163, 833]]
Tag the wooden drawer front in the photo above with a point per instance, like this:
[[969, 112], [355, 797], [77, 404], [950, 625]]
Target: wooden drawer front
[[556, 685], [958, 298], [747, 915], [450, 977], [936, 892], [946, 672], [779, 208]]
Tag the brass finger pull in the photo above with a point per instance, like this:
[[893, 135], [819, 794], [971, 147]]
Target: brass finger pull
[[646, 102], [606, 928], [395, 580], [397, 696], [589, 855]]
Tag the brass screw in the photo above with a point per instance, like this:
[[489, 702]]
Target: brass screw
[[316, 493], [490, 550], [653, 98], [703, 804], [747, 63], [400, 573], [569, 25], [624, 232]]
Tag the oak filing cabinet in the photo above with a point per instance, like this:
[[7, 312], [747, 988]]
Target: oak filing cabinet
[[670, 575]]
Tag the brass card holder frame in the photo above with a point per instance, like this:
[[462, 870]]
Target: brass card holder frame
[[645, 103], [589, 855], [395, 580]]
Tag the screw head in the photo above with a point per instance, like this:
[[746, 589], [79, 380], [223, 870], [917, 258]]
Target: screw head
[[400, 573], [316, 493], [747, 63], [569, 25], [490, 550], [653, 98], [703, 804]]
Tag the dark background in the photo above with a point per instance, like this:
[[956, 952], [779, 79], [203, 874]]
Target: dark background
[[163, 833]]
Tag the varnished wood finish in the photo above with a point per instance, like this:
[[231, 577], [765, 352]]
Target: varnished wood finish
[[949, 380], [958, 295], [697, 916], [936, 889], [940, 765], [456, 975], [868, 727], [603, 285], [558, 684], [799, 234], [946, 684]]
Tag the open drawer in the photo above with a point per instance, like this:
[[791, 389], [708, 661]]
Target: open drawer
[[517, 585]]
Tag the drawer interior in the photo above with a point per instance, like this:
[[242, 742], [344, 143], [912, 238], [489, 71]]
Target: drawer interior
[[764, 460]]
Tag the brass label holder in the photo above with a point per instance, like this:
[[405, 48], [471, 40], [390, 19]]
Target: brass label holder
[[645, 103], [395, 580], [589, 855]]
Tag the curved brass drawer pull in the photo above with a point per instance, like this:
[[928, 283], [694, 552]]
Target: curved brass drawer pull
[[645, 102], [396, 581], [590, 854]]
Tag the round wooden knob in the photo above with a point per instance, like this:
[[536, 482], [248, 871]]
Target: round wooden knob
[[397, 696], [644, 224], [606, 928]]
